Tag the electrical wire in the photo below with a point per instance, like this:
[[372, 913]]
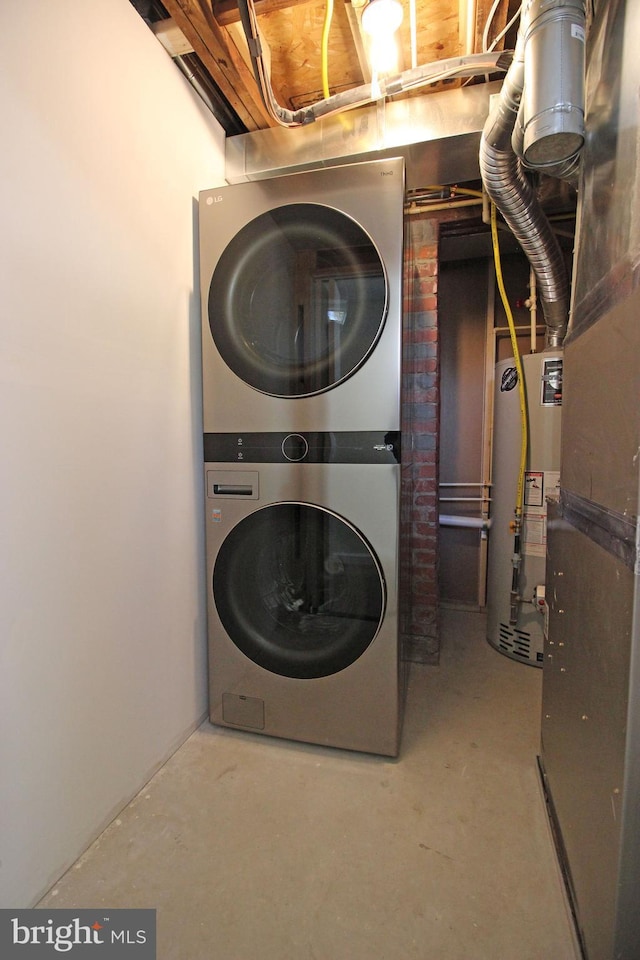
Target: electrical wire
[[488, 47], [504, 31], [487, 26], [326, 26]]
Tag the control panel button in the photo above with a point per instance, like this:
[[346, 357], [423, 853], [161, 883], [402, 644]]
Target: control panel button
[[295, 447]]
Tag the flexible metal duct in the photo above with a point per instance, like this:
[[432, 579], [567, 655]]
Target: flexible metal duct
[[504, 173]]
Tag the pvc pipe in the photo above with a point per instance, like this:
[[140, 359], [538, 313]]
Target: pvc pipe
[[473, 523], [460, 483], [465, 499]]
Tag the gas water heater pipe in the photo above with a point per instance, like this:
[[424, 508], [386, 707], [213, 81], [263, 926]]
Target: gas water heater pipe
[[532, 304]]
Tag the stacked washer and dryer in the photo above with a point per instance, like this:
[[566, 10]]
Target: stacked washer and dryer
[[301, 320]]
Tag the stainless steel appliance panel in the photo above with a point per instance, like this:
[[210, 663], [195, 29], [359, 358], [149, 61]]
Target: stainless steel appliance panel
[[601, 412], [357, 706], [591, 674], [301, 282], [586, 699], [609, 225]]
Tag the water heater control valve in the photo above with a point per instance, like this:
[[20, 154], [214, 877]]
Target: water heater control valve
[[539, 601]]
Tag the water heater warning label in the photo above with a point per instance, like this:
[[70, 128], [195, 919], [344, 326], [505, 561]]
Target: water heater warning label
[[538, 485], [552, 383], [534, 533], [533, 489]]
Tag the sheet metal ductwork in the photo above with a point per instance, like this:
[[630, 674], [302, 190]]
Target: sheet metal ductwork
[[537, 124]]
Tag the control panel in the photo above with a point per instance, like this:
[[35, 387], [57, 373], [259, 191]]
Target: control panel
[[368, 446]]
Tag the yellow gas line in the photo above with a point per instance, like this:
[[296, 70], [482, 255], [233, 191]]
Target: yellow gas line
[[517, 525], [326, 26]]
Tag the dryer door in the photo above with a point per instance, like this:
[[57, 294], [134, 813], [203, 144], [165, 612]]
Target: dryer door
[[298, 300], [299, 590]]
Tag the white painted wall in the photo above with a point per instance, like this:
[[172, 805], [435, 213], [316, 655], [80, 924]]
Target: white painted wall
[[102, 617]]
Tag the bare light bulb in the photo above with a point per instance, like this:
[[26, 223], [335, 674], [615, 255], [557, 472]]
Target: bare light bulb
[[382, 17]]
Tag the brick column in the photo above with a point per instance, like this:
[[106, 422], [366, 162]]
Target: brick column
[[420, 417], [419, 622]]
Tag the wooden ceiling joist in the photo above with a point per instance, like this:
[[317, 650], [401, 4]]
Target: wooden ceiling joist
[[292, 36], [226, 11], [221, 59]]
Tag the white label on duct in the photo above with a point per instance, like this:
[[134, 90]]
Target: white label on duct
[[577, 31]]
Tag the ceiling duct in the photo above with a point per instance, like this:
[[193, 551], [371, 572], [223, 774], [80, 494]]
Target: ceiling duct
[[438, 134], [539, 128]]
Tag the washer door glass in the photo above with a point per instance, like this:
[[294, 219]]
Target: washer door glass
[[298, 590], [297, 300]]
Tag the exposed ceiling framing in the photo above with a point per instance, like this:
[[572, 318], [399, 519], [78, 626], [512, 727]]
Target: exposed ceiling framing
[[209, 31]]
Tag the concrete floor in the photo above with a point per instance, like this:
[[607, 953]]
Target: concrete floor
[[253, 847]]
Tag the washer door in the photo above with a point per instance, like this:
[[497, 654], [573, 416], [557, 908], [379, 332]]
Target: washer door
[[298, 590], [298, 300]]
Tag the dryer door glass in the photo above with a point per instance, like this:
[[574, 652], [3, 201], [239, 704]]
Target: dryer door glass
[[297, 300], [298, 590]]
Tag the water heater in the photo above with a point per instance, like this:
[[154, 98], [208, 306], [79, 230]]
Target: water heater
[[522, 640]]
